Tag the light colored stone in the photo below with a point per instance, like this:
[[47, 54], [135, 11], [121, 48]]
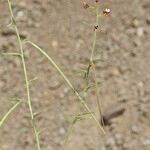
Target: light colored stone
[[119, 139], [135, 23], [135, 129], [54, 44], [62, 131], [146, 142], [140, 32], [110, 142]]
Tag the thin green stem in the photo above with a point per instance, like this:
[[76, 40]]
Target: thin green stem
[[97, 95], [69, 132], [9, 112], [95, 35], [25, 72], [93, 67], [10, 54], [82, 101]]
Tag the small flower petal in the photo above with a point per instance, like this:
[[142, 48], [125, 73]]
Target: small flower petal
[[106, 12]]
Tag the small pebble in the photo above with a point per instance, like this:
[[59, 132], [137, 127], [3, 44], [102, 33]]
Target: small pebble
[[140, 32], [20, 14], [135, 129], [54, 44], [62, 131], [146, 142], [54, 84], [115, 72], [110, 142], [135, 23], [118, 139]]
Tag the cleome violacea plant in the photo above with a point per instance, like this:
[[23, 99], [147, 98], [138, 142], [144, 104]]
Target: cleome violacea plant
[[90, 69], [91, 66]]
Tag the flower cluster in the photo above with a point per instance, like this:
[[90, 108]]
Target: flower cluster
[[106, 11]]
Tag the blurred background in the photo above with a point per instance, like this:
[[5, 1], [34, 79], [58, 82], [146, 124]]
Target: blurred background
[[58, 26]]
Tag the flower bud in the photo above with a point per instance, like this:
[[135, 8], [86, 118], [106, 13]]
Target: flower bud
[[86, 5]]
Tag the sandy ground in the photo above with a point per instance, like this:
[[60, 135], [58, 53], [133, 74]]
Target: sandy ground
[[123, 70]]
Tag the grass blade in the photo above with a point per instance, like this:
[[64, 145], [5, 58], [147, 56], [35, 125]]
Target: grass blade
[[9, 112]]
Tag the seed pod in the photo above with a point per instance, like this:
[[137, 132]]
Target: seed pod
[[95, 27]]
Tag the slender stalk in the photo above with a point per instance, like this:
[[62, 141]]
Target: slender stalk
[[9, 112], [93, 67], [82, 101], [69, 132], [95, 35], [10, 54], [97, 95], [25, 73]]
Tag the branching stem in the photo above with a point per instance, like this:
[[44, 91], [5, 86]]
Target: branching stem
[[25, 73], [81, 100]]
